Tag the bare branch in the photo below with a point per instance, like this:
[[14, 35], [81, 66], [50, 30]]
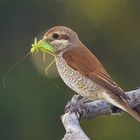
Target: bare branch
[[77, 109]]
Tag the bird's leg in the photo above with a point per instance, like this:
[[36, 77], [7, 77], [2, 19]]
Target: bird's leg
[[73, 104], [84, 100], [77, 105]]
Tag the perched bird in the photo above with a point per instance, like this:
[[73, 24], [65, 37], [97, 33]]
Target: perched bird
[[82, 71]]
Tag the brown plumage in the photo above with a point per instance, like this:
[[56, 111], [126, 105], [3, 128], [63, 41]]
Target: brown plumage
[[73, 56], [85, 62]]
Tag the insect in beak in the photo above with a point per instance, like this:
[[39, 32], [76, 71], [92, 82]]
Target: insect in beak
[[41, 45], [45, 47]]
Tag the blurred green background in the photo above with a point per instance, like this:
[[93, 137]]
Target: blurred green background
[[31, 105]]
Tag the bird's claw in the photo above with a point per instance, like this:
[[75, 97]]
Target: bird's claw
[[76, 105]]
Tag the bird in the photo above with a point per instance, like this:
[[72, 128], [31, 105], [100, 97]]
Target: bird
[[82, 72]]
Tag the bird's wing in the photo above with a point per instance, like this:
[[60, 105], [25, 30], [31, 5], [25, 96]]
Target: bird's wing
[[86, 63]]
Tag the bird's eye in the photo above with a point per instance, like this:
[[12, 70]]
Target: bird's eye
[[55, 35]]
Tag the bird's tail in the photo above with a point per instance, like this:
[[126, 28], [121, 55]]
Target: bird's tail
[[130, 111], [121, 103]]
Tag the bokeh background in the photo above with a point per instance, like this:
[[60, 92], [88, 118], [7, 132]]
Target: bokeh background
[[31, 104]]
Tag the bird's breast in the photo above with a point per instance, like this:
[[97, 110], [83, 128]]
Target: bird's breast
[[77, 82]]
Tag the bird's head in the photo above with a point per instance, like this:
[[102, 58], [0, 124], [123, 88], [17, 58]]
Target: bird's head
[[56, 41], [61, 38]]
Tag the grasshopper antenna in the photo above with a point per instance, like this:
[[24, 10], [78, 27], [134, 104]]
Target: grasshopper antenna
[[12, 67]]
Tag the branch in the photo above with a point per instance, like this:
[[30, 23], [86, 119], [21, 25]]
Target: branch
[[78, 109]]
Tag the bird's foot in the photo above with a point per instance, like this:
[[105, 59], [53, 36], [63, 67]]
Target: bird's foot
[[77, 105]]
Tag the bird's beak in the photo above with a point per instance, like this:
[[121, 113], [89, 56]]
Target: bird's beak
[[42, 45]]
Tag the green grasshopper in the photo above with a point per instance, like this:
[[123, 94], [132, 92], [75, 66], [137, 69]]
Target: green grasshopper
[[45, 47], [41, 45]]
